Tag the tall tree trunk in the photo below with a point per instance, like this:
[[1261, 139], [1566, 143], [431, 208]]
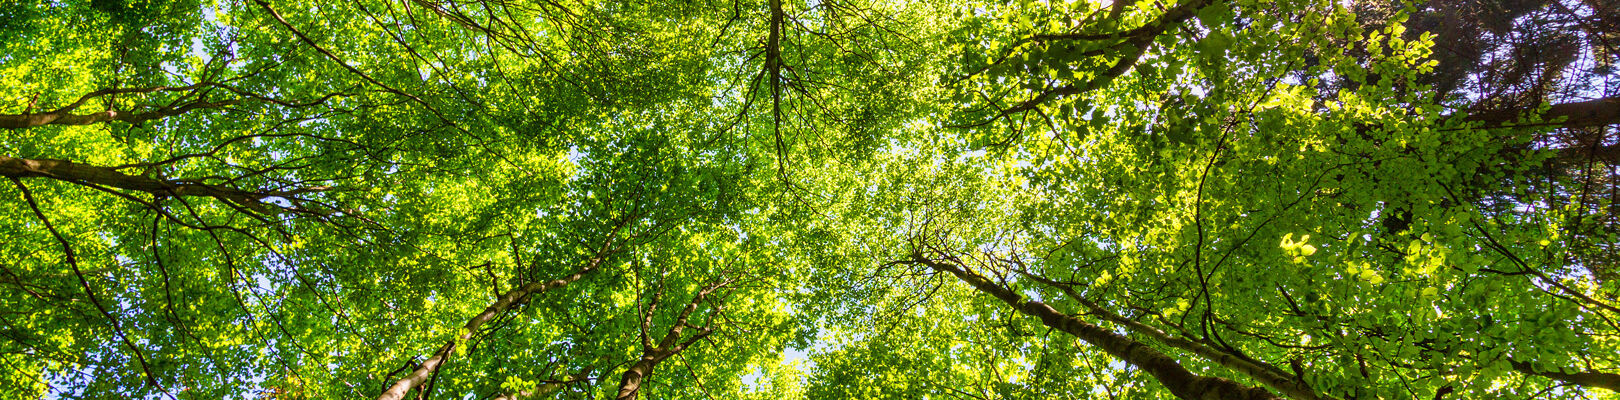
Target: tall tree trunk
[[1181, 382]]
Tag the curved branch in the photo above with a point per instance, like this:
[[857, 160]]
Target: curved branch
[[1180, 381], [91, 175], [1136, 42], [1265, 373], [73, 262]]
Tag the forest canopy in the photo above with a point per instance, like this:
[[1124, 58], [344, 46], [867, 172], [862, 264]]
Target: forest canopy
[[819, 199]]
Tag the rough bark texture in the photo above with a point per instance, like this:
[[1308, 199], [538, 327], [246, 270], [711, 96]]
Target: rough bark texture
[[630, 383], [1181, 382], [424, 371], [1582, 379]]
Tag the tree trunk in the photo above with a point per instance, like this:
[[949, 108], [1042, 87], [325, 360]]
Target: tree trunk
[[668, 346], [506, 301], [630, 383]]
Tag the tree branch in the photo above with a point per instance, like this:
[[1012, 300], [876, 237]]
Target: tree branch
[[500, 306], [1180, 381]]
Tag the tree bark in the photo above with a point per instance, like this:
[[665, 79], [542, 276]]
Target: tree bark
[[630, 383], [1262, 372], [1583, 379], [1181, 382], [670, 345], [69, 171]]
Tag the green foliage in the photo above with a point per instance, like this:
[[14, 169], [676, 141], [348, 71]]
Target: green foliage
[[408, 164]]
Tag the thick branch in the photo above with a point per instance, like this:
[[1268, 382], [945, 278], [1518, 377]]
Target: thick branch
[[1175, 15], [69, 171], [1264, 373], [1138, 47], [1181, 382], [1582, 379], [671, 344], [501, 305], [1599, 112], [1136, 42], [65, 117], [773, 64]]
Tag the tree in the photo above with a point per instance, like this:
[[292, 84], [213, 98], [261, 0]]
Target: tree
[[834, 199]]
